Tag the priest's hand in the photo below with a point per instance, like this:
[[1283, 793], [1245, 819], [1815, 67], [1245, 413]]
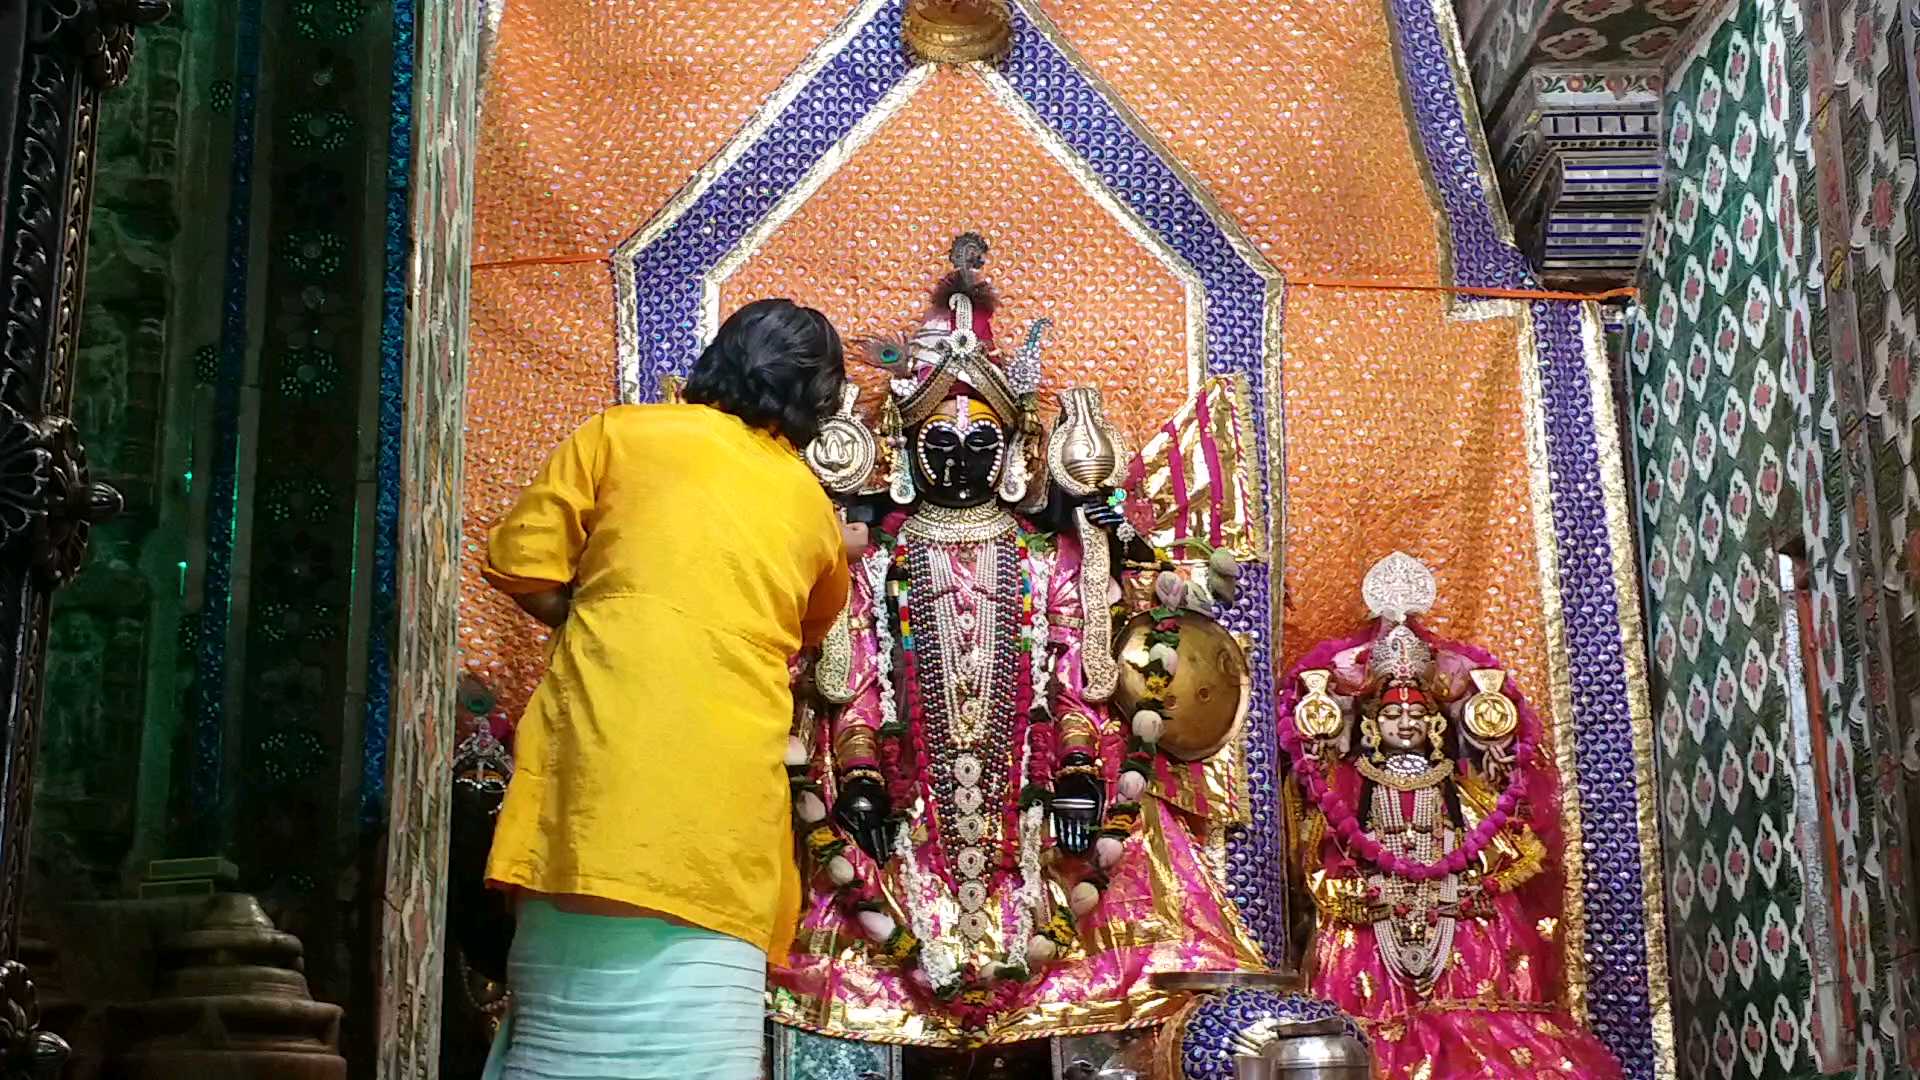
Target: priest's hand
[[1079, 797], [862, 811]]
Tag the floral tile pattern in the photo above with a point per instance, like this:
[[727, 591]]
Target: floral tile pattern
[[1764, 399]]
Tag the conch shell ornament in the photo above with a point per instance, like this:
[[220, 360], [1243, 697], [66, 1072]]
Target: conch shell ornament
[[1084, 455]]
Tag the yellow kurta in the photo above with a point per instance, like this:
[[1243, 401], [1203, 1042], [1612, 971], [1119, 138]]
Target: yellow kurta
[[702, 554]]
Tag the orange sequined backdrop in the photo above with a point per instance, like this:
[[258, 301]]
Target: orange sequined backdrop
[[1403, 427]]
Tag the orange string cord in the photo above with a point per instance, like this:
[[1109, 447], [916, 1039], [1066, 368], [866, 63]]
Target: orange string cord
[[1624, 293], [542, 260]]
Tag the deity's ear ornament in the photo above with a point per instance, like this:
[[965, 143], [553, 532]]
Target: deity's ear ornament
[[844, 453]]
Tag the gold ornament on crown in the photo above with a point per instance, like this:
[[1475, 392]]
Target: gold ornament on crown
[[957, 31]]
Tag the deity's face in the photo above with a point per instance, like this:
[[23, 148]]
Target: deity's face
[[958, 453], [1404, 727]]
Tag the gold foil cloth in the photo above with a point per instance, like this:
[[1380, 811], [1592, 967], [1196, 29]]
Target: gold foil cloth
[[1227, 404], [1403, 425], [869, 245]]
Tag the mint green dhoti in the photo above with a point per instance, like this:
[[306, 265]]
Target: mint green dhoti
[[604, 998]]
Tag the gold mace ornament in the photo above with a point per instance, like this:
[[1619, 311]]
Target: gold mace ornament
[[1490, 714], [1317, 715], [957, 31], [1211, 688]]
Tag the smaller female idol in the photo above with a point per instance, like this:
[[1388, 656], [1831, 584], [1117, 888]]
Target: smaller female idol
[[1425, 840]]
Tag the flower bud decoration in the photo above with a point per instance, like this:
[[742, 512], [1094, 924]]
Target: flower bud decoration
[[1169, 589], [1041, 950], [1224, 588], [809, 808], [877, 925], [1223, 564], [796, 752], [1148, 725], [1132, 786], [1166, 656], [1083, 899], [1107, 851], [840, 871]]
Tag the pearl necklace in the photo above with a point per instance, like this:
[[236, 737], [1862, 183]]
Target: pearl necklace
[[1416, 936]]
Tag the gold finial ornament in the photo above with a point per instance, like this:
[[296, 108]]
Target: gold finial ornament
[[1317, 715], [1085, 454], [844, 453], [1211, 690], [673, 390], [1490, 715], [957, 31]]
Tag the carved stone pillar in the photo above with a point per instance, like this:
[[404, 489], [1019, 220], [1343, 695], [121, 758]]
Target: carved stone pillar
[[56, 58]]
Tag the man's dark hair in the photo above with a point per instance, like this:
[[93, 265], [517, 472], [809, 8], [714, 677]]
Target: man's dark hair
[[775, 365]]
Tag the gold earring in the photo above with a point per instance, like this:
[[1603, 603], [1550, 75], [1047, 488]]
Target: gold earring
[[1436, 729], [1370, 736]]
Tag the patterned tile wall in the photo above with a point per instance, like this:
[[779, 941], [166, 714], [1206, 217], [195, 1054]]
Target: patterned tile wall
[[1736, 397], [1862, 54]]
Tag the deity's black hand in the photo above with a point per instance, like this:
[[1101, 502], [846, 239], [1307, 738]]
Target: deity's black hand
[[862, 810], [1103, 515], [1078, 800]]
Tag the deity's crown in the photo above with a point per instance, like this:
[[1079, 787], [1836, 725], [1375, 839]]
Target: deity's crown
[[954, 349], [1400, 659], [1397, 588]]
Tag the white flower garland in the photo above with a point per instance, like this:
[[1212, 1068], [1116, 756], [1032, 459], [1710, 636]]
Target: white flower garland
[[937, 957], [875, 565]]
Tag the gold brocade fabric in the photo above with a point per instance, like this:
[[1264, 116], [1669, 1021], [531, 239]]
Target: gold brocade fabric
[[1396, 442], [1154, 940], [859, 250], [1226, 404], [1402, 427]]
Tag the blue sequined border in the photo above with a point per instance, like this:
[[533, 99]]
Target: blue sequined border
[[210, 706], [667, 297], [377, 719], [1618, 993]]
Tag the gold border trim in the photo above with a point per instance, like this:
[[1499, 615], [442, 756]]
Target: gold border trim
[[1559, 667], [830, 163], [625, 288], [1633, 649]]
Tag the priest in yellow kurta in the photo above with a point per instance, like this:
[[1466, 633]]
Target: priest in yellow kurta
[[683, 554]]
